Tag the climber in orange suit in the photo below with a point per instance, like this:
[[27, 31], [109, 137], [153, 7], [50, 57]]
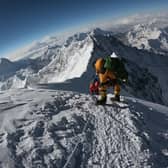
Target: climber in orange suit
[[107, 78]]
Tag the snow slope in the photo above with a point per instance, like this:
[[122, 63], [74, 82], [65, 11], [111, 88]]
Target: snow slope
[[49, 128], [61, 60]]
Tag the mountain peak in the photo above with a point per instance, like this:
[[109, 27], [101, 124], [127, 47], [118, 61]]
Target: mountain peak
[[98, 31], [142, 34]]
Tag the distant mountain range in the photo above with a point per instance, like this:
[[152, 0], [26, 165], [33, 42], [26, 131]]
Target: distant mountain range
[[147, 37], [58, 59]]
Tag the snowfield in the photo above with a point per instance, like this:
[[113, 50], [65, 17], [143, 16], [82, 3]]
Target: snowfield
[[62, 129]]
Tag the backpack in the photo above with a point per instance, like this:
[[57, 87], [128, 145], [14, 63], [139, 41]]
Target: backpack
[[117, 66]]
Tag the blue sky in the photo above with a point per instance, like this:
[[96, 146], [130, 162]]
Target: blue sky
[[23, 21]]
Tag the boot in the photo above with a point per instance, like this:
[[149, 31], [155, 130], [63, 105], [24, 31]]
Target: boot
[[101, 101], [116, 98]]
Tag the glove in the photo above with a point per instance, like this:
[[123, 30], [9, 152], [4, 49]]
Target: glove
[[91, 88], [94, 87]]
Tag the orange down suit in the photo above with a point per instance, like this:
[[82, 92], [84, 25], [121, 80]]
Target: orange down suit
[[105, 78]]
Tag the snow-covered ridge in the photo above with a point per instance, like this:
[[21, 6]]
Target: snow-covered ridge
[[148, 37], [72, 59], [51, 60], [39, 48], [75, 57], [144, 32], [48, 128]]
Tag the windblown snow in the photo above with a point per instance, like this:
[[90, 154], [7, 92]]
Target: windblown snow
[[48, 128]]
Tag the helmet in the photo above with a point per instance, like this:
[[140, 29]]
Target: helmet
[[99, 65]]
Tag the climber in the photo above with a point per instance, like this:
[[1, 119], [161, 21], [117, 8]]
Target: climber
[[109, 70]]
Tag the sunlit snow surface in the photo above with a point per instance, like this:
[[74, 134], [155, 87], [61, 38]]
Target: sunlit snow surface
[[49, 128], [77, 57]]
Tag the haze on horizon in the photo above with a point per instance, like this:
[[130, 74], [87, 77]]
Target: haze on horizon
[[24, 21]]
